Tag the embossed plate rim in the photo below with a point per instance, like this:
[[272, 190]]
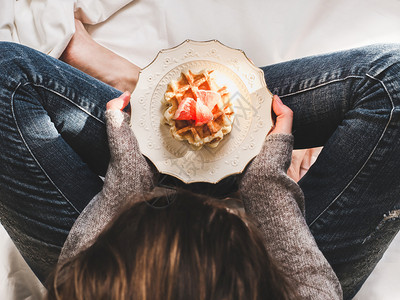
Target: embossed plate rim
[[207, 52]]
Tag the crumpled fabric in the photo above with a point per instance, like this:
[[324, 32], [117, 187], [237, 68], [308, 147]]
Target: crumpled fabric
[[268, 31], [49, 25]]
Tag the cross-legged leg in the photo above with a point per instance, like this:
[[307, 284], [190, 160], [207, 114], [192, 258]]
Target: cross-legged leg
[[53, 150], [349, 102]]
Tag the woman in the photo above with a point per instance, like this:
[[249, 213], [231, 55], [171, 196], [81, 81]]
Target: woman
[[193, 248], [346, 101]]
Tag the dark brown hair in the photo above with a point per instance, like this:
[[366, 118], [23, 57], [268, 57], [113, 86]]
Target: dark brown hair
[[195, 248]]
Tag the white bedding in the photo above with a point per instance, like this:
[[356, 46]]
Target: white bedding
[[268, 31]]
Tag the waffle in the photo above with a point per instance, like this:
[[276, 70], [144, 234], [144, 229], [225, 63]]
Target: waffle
[[207, 125]]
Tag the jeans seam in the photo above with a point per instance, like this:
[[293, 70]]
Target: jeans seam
[[27, 146], [320, 85], [69, 100], [376, 145]]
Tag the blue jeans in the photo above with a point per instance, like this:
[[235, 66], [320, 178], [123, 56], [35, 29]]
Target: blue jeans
[[54, 150]]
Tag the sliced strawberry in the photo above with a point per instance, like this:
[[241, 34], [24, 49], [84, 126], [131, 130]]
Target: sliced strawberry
[[186, 110], [209, 98], [203, 114]]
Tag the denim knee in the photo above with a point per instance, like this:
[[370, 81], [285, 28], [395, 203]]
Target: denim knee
[[6, 49], [17, 64], [11, 52], [14, 62], [383, 57], [385, 69]]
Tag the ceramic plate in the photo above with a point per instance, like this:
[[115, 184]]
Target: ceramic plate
[[249, 95]]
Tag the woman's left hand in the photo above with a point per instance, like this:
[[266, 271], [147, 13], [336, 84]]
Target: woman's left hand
[[119, 103], [128, 167]]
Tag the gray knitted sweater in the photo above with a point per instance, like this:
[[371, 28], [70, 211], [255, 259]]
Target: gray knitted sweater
[[274, 200]]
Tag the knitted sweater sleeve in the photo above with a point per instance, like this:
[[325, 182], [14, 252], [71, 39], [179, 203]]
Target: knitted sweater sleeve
[[276, 202], [128, 173]]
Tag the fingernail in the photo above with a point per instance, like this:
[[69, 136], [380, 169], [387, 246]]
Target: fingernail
[[125, 94], [277, 99]]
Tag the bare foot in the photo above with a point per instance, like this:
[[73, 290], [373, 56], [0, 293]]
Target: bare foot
[[90, 57]]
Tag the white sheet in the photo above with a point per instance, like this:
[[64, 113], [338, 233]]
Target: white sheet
[[268, 31]]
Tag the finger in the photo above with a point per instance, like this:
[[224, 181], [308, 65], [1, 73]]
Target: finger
[[119, 103], [284, 117]]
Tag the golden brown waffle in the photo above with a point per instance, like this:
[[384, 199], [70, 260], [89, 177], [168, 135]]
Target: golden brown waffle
[[212, 132]]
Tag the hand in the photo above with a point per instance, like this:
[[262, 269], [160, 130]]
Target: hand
[[90, 57], [283, 124], [284, 117], [128, 167], [274, 157], [119, 103]]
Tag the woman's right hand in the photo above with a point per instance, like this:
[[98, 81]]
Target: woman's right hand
[[284, 117], [274, 157]]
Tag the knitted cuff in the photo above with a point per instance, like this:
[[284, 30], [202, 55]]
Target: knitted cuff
[[276, 152], [121, 139]]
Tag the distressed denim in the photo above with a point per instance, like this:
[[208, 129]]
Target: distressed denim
[[54, 150], [348, 102]]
